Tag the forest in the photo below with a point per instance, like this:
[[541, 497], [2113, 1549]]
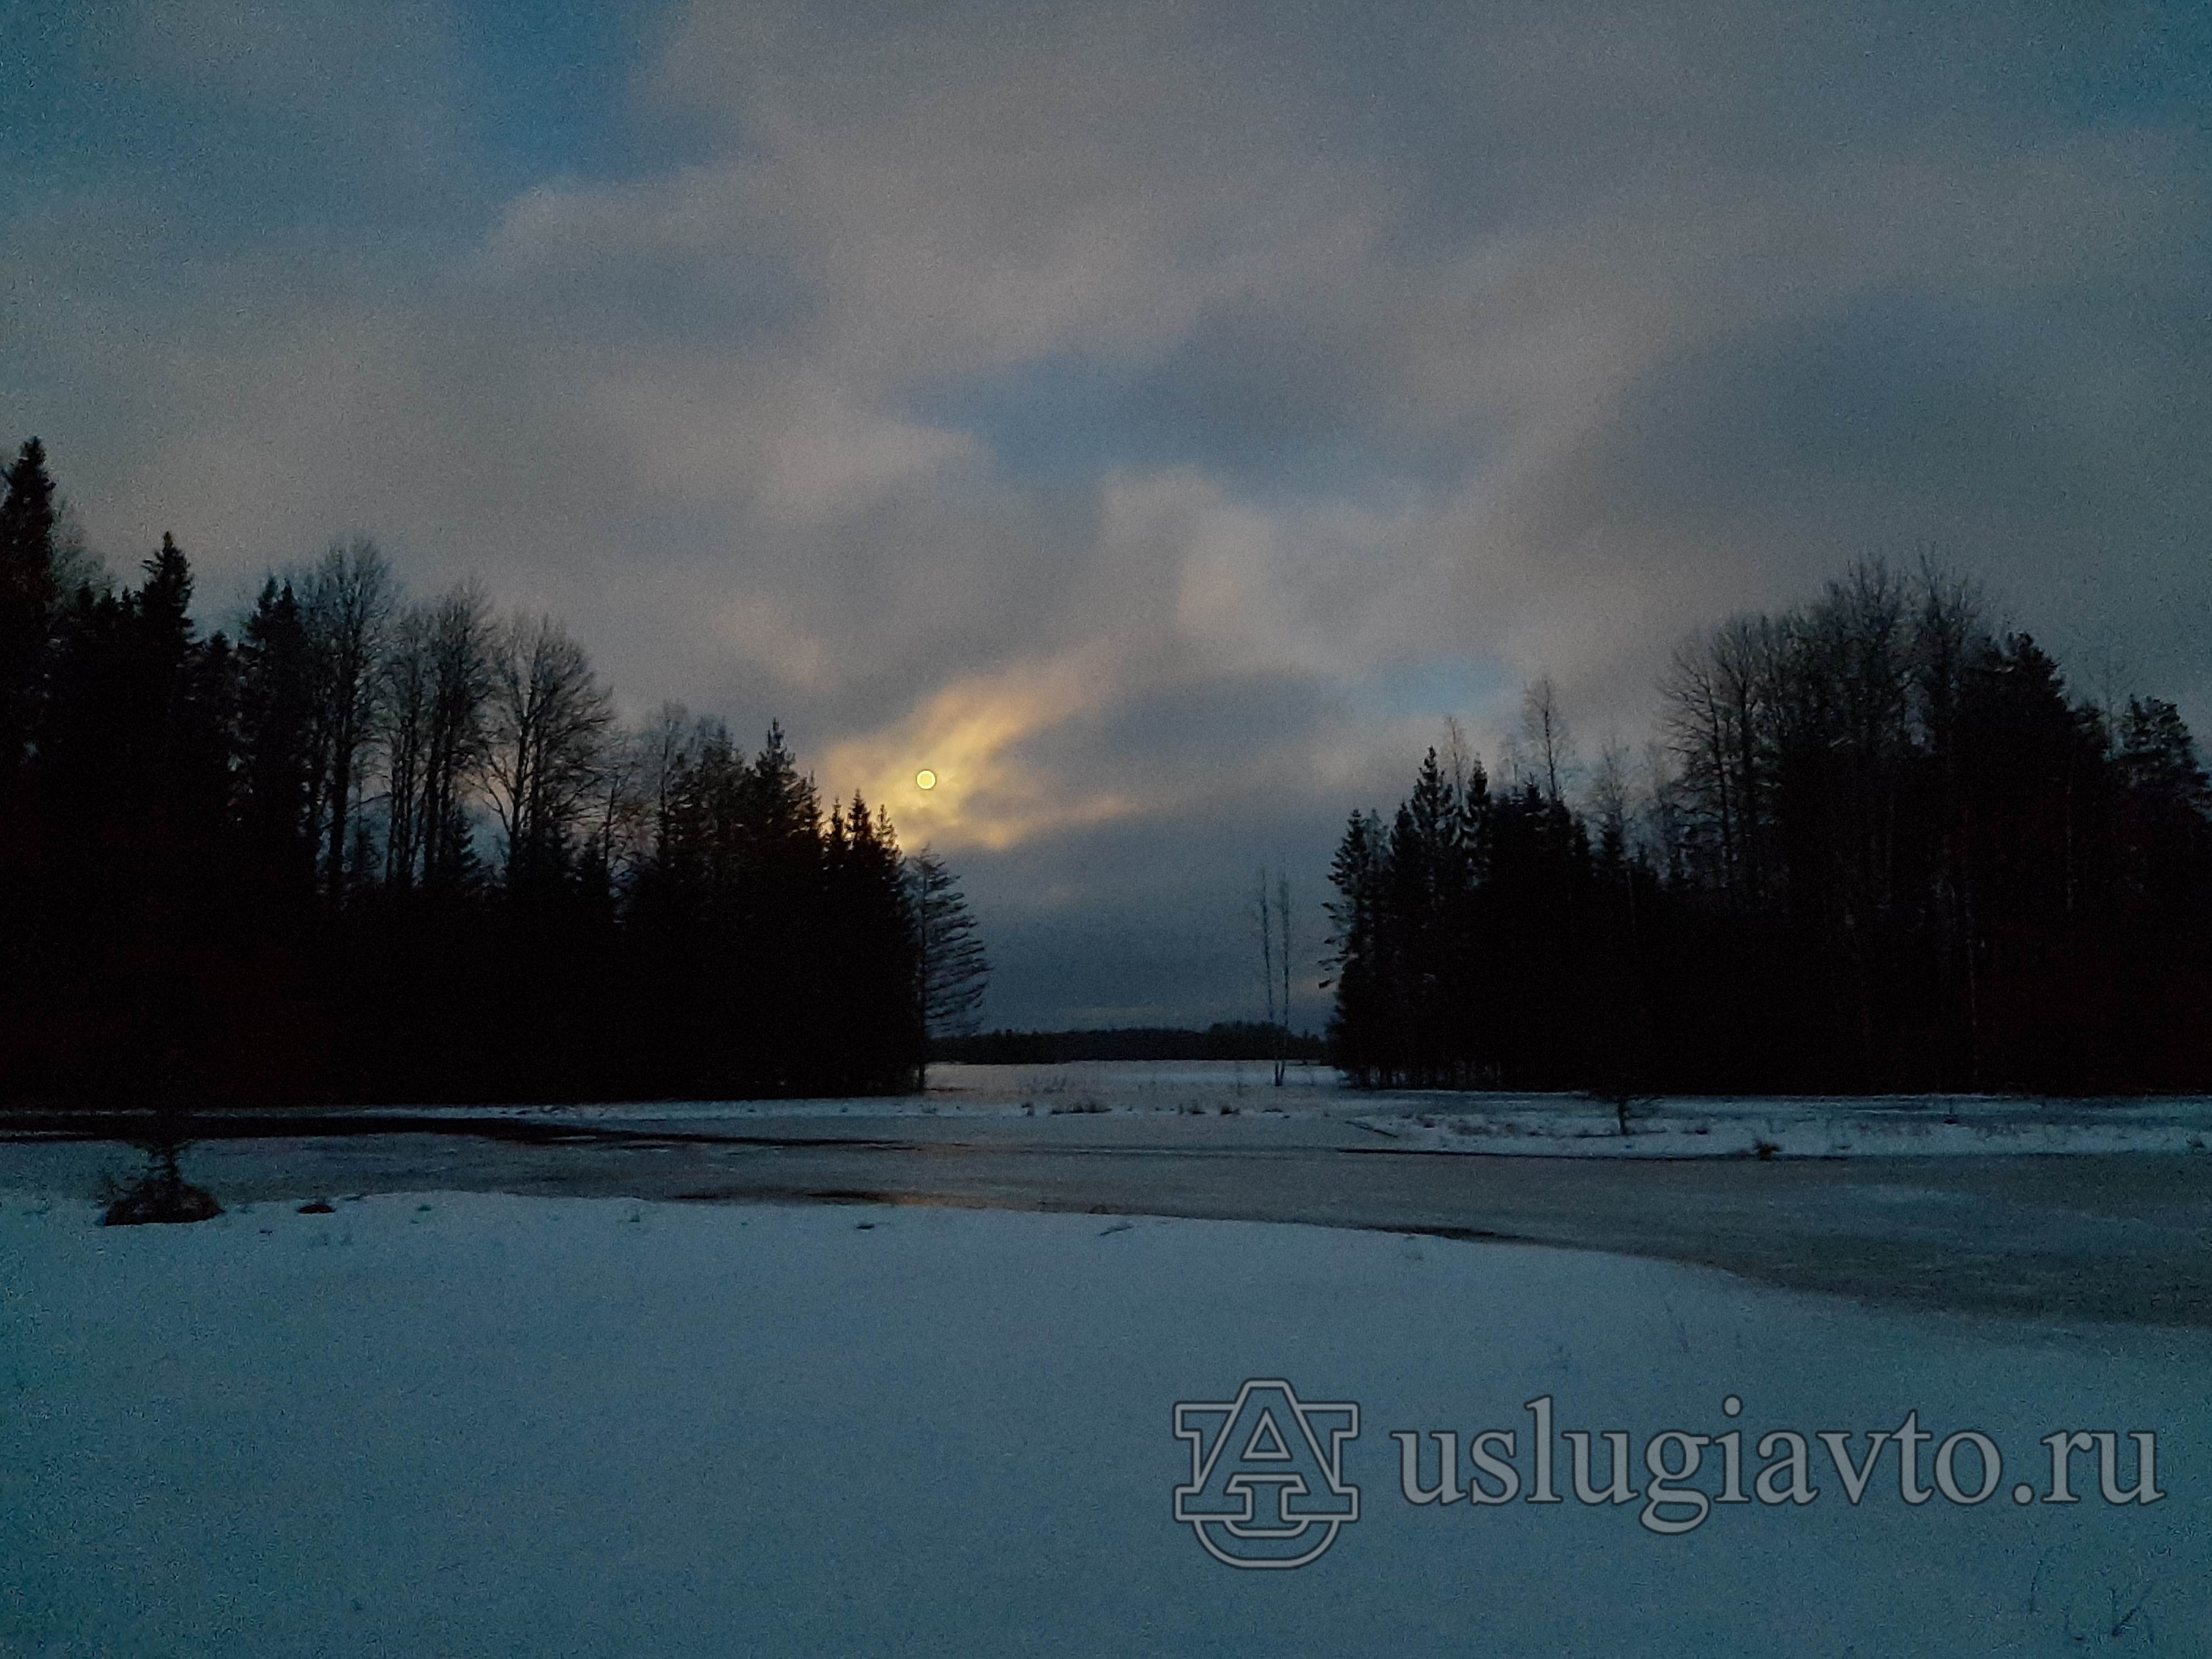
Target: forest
[[377, 849], [1876, 845], [1253, 1039]]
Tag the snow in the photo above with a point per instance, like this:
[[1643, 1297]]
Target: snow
[[463, 1424], [1491, 1123], [1896, 1126]]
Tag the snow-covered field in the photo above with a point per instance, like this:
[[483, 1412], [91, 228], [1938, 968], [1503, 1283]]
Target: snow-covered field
[[471, 1424]]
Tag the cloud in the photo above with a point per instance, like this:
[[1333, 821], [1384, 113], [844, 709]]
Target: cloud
[[966, 734], [1127, 409]]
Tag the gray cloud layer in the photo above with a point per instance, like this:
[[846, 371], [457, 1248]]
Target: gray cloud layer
[[1156, 417]]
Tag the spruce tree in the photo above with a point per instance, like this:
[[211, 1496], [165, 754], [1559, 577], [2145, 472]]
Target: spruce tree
[[1357, 1037], [278, 784], [26, 600], [951, 971]]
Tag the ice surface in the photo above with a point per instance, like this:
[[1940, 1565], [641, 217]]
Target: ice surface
[[1498, 1123]]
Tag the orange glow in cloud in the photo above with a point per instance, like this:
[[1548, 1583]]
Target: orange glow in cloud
[[946, 771]]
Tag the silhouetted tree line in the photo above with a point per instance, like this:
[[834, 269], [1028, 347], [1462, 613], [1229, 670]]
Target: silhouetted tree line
[[1880, 847], [1224, 1040], [382, 850]]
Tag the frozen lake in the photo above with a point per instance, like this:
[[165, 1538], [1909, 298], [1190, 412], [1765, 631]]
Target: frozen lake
[[899, 1375], [2074, 1209], [1509, 1124]]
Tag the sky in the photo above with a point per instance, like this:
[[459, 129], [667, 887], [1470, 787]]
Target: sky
[[1156, 419]]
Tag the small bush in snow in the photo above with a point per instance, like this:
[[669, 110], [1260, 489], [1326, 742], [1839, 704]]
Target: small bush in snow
[[162, 1194]]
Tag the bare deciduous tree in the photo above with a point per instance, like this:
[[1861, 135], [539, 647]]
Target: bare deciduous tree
[[404, 723], [1459, 755], [1271, 910], [347, 612], [460, 649], [1720, 726], [550, 718], [1546, 743], [668, 743], [1609, 792], [625, 815], [435, 680]]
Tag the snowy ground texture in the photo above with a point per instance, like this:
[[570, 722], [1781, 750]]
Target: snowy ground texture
[[1892, 1125], [471, 1424], [1502, 1124]]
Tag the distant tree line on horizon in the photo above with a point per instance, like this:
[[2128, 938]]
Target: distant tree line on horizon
[[1879, 846], [1253, 1039], [377, 850]]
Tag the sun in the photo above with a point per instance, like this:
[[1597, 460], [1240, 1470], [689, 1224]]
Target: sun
[[925, 779]]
